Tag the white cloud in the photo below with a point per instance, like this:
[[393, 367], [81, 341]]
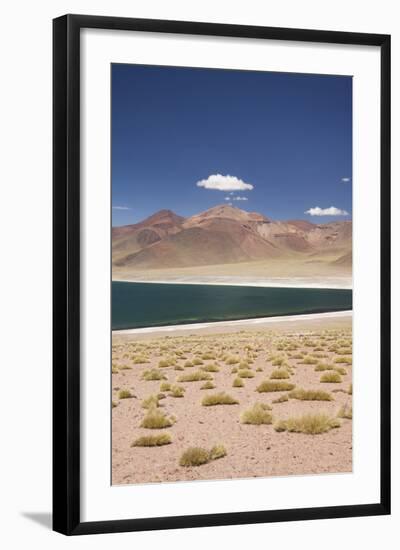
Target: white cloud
[[345, 180], [236, 198], [331, 211], [224, 183], [121, 208]]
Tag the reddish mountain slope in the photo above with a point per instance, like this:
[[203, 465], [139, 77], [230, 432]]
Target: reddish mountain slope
[[224, 234]]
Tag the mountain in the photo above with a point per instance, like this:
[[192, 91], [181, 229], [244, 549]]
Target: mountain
[[132, 238], [224, 235]]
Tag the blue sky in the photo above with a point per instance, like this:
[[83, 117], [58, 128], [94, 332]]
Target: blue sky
[[288, 136]]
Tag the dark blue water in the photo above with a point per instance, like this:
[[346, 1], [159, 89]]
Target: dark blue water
[[137, 305]]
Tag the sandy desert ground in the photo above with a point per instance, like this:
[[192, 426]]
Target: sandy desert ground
[[261, 433], [317, 271]]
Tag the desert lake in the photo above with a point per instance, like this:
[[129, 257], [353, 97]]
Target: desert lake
[[136, 305]]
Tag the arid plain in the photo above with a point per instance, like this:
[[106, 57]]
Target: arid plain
[[271, 399]]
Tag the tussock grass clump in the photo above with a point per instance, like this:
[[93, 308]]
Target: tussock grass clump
[[344, 360], [218, 451], [278, 362], [332, 377], [346, 411], [196, 456], [297, 356], [196, 376], [322, 367], [257, 414], [168, 362], [272, 385], [308, 361], [150, 402], [308, 424], [246, 373], [177, 391], [153, 374], [220, 398], [207, 385], [188, 364], [156, 419], [282, 399], [279, 374], [178, 367], [114, 404], [165, 386], [232, 361], [155, 440], [125, 367], [212, 367], [114, 369], [140, 359], [208, 356], [234, 370], [125, 394], [350, 390], [259, 369], [344, 351], [196, 361], [340, 370], [310, 395], [238, 383]]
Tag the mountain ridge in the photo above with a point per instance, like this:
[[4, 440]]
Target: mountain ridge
[[225, 234]]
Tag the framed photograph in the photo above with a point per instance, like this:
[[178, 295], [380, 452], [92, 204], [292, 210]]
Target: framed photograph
[[221, 274]]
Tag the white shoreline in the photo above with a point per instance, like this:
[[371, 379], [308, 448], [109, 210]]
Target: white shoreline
[[275, 282], [235, 323]]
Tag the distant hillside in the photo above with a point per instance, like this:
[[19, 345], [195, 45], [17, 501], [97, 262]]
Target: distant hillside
[[224, 235]]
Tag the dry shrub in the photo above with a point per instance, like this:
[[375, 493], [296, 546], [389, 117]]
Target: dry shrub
[[310, 395], [308, 424], [150, 402], [308, 361], [238, 383], [156, 419], [279, 374], [196, 376], [220, 398], [153, 374], [196, 456], [346, 411], [331, 377], [322, 367], [152, 440], [125, 394], [212, 367], [207, 385], [344, 360], [272, 385], [282, 399], [177, 391], [246, 373], [257, 414], [218, 451]]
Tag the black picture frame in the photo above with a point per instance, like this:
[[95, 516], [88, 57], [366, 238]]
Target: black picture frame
[[66, 273]]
